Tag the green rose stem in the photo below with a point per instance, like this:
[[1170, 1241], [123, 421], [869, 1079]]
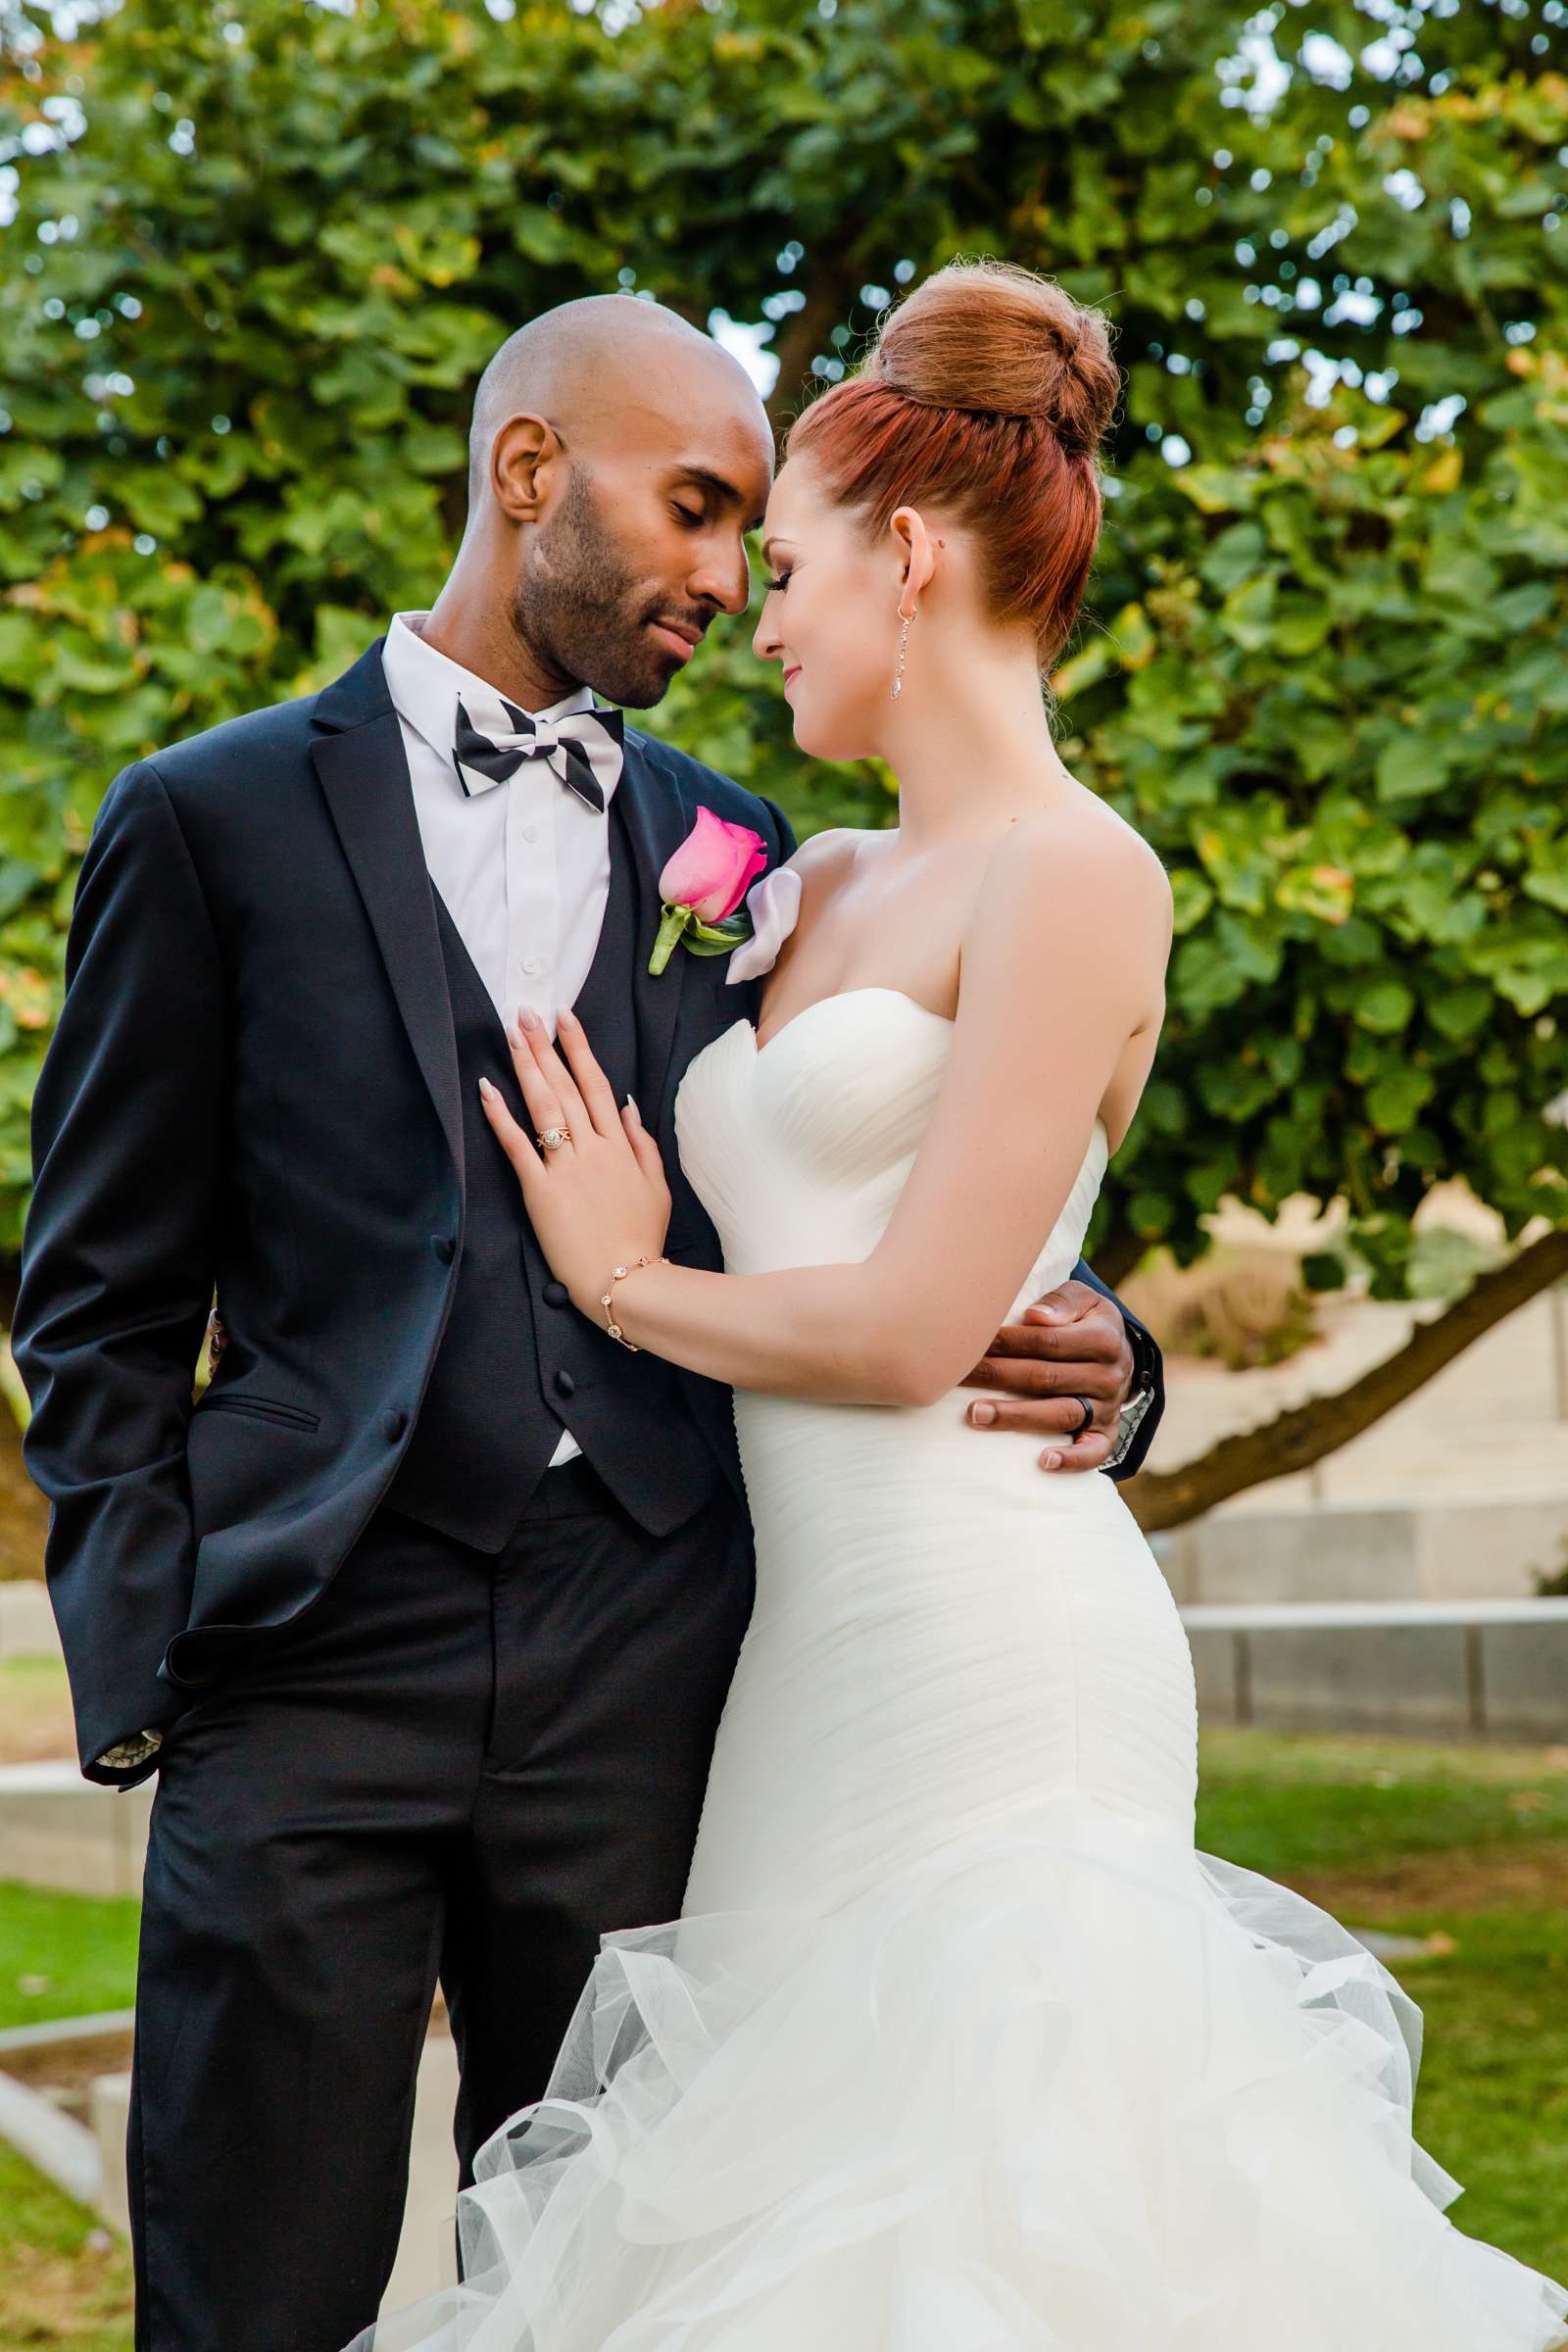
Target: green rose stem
[[702, 939]]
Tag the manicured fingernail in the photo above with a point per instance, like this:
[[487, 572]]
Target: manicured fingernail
[[485, 1087], [632, 1106], [1052, 1461], [527, 1017], [566, 1015], [982, 1415]]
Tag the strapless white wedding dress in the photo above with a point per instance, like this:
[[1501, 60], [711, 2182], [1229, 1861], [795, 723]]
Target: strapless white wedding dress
[[959, 2044]]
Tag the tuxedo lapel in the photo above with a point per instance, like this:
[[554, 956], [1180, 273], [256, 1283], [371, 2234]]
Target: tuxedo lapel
[[363, 773], [605, 1004], [660, 813]]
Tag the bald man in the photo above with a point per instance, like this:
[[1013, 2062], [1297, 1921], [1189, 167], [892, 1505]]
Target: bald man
[[426, 1614]]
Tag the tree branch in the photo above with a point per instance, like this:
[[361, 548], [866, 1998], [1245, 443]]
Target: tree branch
[[1120, 1253], [1293, 1441], [24, 1512], [834, 283]]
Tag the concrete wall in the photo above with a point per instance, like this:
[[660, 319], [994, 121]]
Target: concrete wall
[[1444, 1551], [1438, 1669], [58, 1830], [1442, 1670], [26, 1622]]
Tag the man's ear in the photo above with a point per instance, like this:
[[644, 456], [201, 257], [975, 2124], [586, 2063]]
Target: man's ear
[[916, 551], [525, 459]]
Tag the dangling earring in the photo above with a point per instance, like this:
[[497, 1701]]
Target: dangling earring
[[903, 651]]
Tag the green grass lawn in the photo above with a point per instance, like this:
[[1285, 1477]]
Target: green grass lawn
[[1465, 1846], [1290, 1803], [63, 2280], [1492, 2100], [64, 1955], [1469, 1846]]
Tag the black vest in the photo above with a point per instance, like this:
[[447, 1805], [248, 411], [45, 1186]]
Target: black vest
[[518, 1361]]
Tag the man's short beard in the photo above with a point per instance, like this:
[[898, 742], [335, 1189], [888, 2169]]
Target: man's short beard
[[576, 606]]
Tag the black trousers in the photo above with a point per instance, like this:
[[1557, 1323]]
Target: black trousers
[[456, 1767]]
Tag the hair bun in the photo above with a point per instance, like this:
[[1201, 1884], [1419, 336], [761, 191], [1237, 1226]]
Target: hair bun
[[985, 397], [1000, 341]]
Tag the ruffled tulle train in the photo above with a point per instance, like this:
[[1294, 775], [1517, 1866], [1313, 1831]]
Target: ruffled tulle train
[[959, 2046], [1066, 2088]]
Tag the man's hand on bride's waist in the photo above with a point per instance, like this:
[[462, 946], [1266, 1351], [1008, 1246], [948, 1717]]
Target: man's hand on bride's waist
[[1071, 1351]]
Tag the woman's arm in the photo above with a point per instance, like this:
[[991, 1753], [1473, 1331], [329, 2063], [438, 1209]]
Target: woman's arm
[[1006, 1143]]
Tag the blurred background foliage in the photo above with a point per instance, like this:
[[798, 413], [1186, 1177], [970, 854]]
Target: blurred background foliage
[[259, 250]]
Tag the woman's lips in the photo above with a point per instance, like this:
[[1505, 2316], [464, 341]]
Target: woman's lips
[[675, 641], [790, 675]]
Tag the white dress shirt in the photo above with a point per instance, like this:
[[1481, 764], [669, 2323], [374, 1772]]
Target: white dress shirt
[[523, 869]]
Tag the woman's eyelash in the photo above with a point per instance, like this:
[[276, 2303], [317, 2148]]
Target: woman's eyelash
[[775, 586]]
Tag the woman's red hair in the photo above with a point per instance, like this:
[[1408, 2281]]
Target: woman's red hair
[[986, 395]]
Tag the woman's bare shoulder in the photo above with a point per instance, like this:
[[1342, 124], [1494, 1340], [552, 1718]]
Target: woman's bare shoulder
[[1058, 885], [834, 845], [1080, 839], [824, 860]]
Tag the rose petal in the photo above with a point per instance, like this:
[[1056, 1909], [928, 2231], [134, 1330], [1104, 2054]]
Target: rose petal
[[713, 866], [756, 860]]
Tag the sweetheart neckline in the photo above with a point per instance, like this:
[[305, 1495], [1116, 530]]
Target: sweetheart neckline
[[871, 989], [838, 997]]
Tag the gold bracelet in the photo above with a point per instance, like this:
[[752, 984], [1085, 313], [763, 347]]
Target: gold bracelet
[[607, 1298]]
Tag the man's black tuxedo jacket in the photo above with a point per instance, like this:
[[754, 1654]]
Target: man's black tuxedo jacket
[[254, 1085]]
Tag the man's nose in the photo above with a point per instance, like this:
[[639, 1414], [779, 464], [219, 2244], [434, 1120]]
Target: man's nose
[[724, 576]]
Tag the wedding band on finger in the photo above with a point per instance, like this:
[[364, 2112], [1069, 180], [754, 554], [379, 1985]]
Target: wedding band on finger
[[553, 1138], [1088, 1420]]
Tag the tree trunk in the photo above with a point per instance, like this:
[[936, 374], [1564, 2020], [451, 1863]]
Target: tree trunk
[[1293, 1441], [828, 296], [1117, 1255], [24, 1512]]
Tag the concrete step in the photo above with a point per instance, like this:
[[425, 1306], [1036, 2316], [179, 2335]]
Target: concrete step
[[58, 1830], [1461, 1669], [1494, 1670], [1444, 1547], [26, 1621]]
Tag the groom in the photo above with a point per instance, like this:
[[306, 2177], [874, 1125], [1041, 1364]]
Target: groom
[[426, 1614]]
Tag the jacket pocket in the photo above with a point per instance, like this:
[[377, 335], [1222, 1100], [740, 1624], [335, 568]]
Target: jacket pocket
[[261, 1408]]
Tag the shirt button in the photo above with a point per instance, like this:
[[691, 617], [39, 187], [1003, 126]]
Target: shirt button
[[444, 1246], [393, 1425], [530, 832], [556, 1293], [565, 1384], [531, 963]]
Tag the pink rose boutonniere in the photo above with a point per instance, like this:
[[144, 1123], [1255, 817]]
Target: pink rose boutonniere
[[702, 887]]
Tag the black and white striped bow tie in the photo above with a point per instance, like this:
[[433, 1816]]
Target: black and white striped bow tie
[[585, 750]]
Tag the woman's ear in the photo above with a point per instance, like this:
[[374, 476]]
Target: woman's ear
[[917, 555]]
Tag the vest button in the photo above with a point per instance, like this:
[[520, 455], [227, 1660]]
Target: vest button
[[556, 1293], [565, 1384], [393, 1425], [445, 1248]]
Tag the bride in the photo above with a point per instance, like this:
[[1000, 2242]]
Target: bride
[[958, 2044]]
